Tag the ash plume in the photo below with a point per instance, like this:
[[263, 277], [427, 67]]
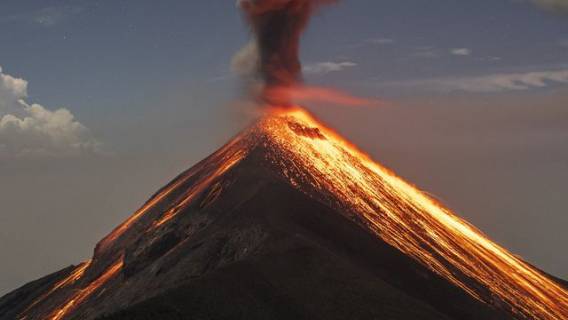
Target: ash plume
[[277, 26]]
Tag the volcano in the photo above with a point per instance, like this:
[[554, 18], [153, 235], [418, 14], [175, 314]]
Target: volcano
[[290, 221]]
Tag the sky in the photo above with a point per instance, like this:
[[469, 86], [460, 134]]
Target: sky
[[103, 102]]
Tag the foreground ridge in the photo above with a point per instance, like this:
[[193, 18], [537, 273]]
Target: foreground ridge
[[315, 160]]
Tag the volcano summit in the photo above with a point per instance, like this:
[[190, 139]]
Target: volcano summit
[[290, 221]]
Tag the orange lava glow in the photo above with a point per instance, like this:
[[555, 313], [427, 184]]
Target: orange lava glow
[[407, 218], [319, 162], [77, 298], [200, 186], [225, 157], [309, 94], [72, 278], [116, 233]]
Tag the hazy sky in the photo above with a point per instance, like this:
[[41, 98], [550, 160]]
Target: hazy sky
[[103, 102]]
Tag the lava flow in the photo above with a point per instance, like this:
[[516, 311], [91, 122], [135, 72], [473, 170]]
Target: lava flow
[[317, 161], [72, 278], [200, 186], [226, 159], [158, 247], [310, 154], [86, 292]]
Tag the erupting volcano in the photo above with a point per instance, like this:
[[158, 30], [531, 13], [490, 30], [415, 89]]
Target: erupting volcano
[[289, 220], [285, 201]]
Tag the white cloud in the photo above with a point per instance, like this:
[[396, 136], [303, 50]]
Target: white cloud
[[563, 43], [328, 66], [460, 51], [12, 90], [489, 83], [31, 129], [372, 42], [553, 5]]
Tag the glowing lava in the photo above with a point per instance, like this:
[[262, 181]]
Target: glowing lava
[[86, 292], [405, 217], [223, 160], [120, 230], [200, 186], [316, 160], [71, 279]]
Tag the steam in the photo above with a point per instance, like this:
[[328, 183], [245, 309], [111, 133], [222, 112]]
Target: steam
[[277, 26], [246, 60]]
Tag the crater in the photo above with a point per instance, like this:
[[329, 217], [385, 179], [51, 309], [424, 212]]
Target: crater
[[305, 131]]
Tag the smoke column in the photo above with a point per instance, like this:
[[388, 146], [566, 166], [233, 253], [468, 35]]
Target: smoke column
[[278, 26]]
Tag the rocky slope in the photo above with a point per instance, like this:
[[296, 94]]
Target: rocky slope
[[290, 221]]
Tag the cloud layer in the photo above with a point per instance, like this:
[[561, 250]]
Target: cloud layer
[[32, 129], [489, 83], [327, 67]]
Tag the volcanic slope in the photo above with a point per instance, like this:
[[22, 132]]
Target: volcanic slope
[[289, 220]]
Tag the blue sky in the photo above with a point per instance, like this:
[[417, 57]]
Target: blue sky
[[478, 115]]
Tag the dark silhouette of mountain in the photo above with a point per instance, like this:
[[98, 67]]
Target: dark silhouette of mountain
[[274, 226]]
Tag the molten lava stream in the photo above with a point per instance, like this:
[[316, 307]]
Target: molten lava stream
[[226, 164], [76, 299], [120, 230], [72, 278], [115, 234], [408, 219]]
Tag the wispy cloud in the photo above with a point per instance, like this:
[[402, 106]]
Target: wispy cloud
[[428, 52], [460, 51], [321, 68], [379, 41], [47, 16], [372, 42], [53, 15], [501, 82]]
